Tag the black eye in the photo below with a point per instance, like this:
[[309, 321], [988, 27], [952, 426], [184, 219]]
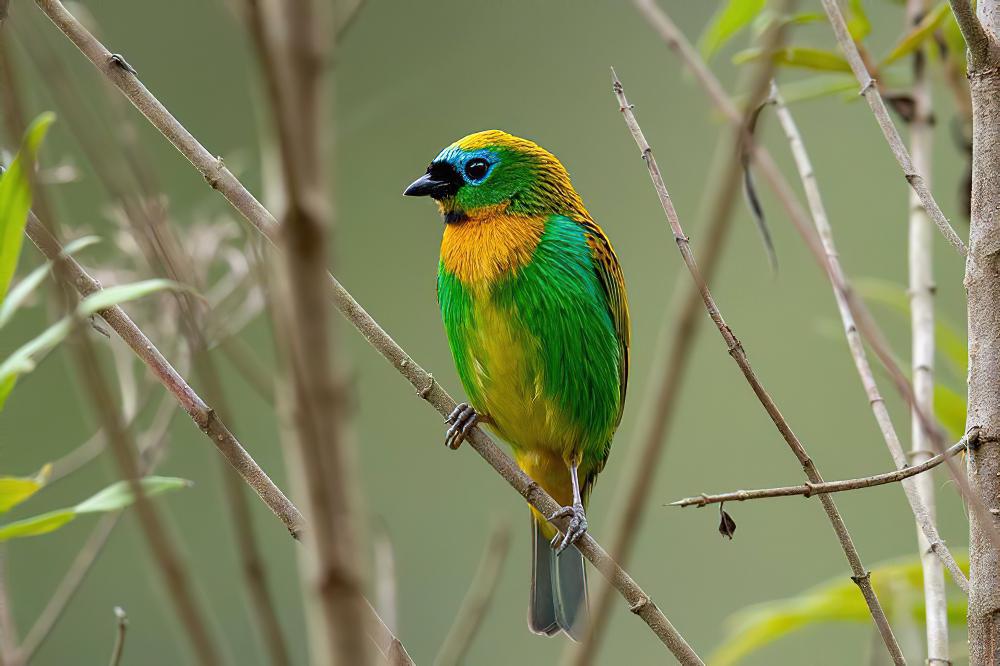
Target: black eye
[[476, 168]]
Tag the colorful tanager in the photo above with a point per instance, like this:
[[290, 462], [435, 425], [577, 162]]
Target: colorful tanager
[[533, 302]]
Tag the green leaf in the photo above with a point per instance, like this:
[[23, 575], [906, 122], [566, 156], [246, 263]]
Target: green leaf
[[920, 33], [817, 86], [17, 295], [857, 21], [24, 359], [838, 600], [799, 56], [119, 495], [115, 497], [16, 489], [954, 39], [123, 293], [732, 17], [950, 409], [949, 338], [41, 524], [15, 198]]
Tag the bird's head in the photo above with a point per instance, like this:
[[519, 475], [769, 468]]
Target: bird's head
[[493, 171]]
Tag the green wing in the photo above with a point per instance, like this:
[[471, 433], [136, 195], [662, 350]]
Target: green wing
[[609, 272]]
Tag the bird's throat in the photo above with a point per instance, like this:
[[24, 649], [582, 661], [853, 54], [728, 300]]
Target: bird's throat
[[484, 248]]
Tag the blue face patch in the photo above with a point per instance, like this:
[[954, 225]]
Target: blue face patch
[[475, 166]]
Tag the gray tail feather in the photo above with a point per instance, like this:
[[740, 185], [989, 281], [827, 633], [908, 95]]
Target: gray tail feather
[[558, 589]]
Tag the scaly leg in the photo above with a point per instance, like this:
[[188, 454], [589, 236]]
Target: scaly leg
[[462, 419], [578, 518]]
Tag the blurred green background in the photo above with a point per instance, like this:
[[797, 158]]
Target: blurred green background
[[410, 78]]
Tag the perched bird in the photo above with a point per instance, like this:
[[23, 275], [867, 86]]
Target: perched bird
[[533, 302]]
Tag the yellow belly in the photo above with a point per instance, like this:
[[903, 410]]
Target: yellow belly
[[506, 369]]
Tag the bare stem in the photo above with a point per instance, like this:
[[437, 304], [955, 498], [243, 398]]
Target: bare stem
[[811, 489], [221, 179], [477, 600], [921, 289], [766, 166], [889, 131], [860, 575], [294, 42], [173, 570], [203, 415], [976, 37], [924, 516], [658, 407], [121, 624]]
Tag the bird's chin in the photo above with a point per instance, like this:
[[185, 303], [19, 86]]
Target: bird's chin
[[454, 217]]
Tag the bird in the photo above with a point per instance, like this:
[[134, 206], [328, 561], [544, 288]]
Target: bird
[[533, 302]]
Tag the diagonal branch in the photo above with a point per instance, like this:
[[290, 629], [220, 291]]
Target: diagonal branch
[[889, 131], [861, 576], [855, 344], [976, 37], [809, 489], [689, 57], [221, 179], [204, 416], [658, 407]]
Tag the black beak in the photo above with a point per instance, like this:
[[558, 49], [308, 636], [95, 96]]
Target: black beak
[[424, 186], [440, 182]]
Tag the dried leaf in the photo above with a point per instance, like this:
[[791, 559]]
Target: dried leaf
[[727, 526]]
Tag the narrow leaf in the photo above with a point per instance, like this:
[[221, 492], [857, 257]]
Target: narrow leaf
[[950, 409], [15, 198], [920, 33], [119, 495], [857, 21], [41, 524], [950, 339], [16, 489], [799, 56], [17, 295], [115, 497], [838, 600], [123, 293], [732, 17], [23, 359], [820, 85]]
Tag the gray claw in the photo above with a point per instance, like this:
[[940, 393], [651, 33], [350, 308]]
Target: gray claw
[[462, 419], [577, 526]]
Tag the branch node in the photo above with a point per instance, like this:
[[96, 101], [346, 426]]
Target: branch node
[[868, 86], [640, 604], [426, 391], [119, 61], [863, 580]]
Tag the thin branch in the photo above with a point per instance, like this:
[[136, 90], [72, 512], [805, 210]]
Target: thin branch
[[221, 179], [810, 489], [203, 415], [690, 58], [9, 655], [896, 145], [838, 280], [154, 438], [121, 623], [921, 290], [861, 576], [659, 406], [477, 600], [386, 592], [173, 570], [323, 451], [976, 37]]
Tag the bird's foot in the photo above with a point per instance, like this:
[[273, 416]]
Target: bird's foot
[[576, 529], [462, 419]]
